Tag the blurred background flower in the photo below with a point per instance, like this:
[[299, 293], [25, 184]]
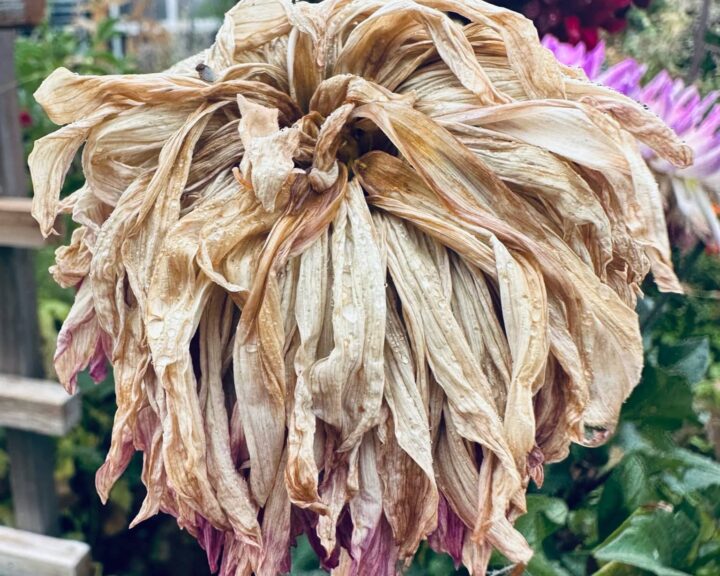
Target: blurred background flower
[[576, 21]]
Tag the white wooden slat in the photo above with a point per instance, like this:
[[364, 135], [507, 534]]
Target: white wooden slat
[[27, 554], [37, 406]]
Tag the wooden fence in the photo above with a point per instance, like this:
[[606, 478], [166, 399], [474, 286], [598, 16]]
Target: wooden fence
[[32, 410]]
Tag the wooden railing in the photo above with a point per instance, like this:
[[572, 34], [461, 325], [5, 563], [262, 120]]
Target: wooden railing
[[32, 410]]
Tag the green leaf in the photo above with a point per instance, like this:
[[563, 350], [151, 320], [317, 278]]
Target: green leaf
[[682, 470], [628, 487], [583, 523], [618, 569], [541, 566], [692, 471], [657, 541], [662, 400], [689, 359], [544, 517], [304, 560], [105, 30]]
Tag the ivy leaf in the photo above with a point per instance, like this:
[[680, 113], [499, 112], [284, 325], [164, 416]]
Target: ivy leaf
[[664, 398], [544, 517], [304, 560], [682, 470]]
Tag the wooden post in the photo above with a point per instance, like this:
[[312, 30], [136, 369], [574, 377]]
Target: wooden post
[[32, 456]]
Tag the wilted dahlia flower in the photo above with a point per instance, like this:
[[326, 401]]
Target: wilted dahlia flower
[[692, 192], [359, 277]]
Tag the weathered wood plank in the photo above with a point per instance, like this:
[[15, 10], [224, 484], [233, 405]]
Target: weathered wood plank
[[32, 484], [27, 554], [31, 455], [37, 406], [18, 229], [12, 162], [15, 13]]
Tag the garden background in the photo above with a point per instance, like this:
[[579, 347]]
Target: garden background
[[646, 503]]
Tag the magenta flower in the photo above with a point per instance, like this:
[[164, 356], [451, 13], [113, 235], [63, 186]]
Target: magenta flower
[[25, 118], [693, 193]]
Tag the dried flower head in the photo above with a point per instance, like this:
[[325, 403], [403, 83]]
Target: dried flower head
[[359, 275]]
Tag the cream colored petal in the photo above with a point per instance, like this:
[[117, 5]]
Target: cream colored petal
[[475, 312], [247, 26], [72, 262], [269, 151], [525, 317], [366, 506], [370, 40], [470, 398], [77, 340], [301, 475], [258, 354], [50, 160], [347, 385], [405, 456], [230, 486]]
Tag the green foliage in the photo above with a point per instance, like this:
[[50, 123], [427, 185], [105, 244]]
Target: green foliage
[[652, 540], [213, 8], [662, 38]]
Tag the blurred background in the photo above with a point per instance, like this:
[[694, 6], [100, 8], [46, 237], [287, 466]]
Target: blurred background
[[646, 503]]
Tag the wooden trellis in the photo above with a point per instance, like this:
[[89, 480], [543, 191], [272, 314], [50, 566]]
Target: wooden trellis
[[31, 409]]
